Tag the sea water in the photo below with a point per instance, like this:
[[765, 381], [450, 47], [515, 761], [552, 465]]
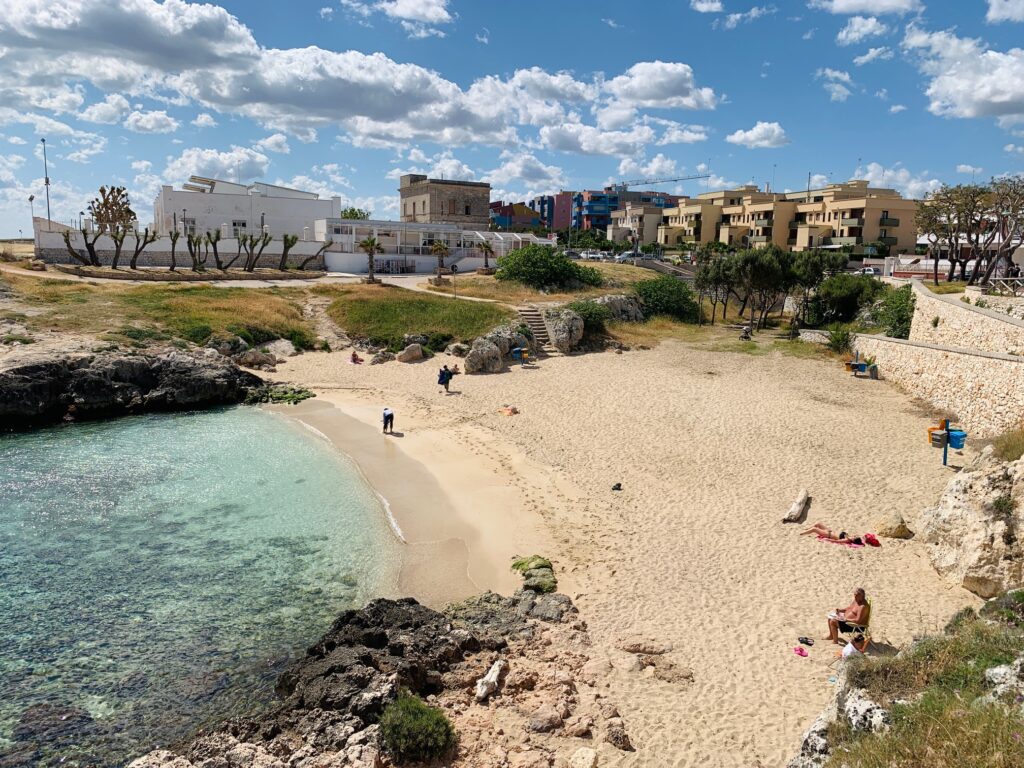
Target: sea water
[[158, 572]]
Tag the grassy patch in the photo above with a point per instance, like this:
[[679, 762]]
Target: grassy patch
[[802, 349], [384, 314], [524, 564], [1010, 445], [734, 345], [655, 331], [957, 286], [11, 338]]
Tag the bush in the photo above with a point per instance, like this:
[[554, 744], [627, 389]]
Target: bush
[[840, 339], [896, 312], [594, 315], [840, 297], [412, 731], [1010, 445], [666, 295], [540, 266]]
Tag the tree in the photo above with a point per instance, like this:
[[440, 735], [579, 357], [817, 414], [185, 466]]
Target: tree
[[287, 243], [250, 243], [327, 244], [487, 250], [440, 249], [75, 254], [174, 235], [194, 244], [212, 239], [540, 266], [1007, 217], [355, 213], [371, 248], [117, 233], [111, 210], [148, 238], [931, 221], [810, 268]]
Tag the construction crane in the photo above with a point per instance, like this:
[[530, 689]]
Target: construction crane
[[624, 185]]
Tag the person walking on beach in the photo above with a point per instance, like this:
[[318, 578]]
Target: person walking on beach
[[444, 377], [389, 421]]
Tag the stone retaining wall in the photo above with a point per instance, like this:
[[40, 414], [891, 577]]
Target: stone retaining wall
[[963, 325], [985, 390]]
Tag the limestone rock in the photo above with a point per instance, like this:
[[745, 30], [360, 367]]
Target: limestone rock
[[623, 307], [160, 758], [644, 646], [382, 357], [229, 346], [280, 348], [415, 338], [487, 685], [484, 357], [891, 525], [863, 714], [615, 734], [410, 354], [458, 349], [584, 757], [545, 719], [974, 533], [531, 758], [667, 670], [595, 670], [254, 358], [540, 580], [580, 726], [565, 329], [506, 338]]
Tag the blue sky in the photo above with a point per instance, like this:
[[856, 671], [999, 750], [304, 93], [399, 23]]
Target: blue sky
[[341, 97]]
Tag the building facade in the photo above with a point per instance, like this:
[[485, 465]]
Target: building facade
[[208, 205], [593, 209], [639, 221], [850, 214], [439, 201], [514, 215]]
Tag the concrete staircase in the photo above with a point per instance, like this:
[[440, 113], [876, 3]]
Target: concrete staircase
[[535, 320]]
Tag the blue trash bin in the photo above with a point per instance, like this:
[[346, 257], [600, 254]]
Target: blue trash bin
[[957, 438]]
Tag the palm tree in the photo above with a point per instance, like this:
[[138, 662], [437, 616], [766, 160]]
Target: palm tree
[[440, 249], [371, 248], [487, 250]]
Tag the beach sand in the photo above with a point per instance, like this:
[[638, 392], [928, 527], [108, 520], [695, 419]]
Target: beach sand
[[711, 449]]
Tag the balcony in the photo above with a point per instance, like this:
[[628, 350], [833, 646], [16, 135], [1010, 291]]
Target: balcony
[[791, 241], [762, 222], [687, 239], [851, 222], [888, 222], [795, 224], [760, 239], [844, 240], [890, 241]]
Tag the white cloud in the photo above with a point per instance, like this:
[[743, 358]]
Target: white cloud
[[733, 20], [897, 108], [612, 23], [762, 136], [204, 120], [16, 140], [859, 28], [615, 115], [241, 163], [707, 6], [835, 75], [483, 36], [836, 82], [417, 30], [1005, 10], [111, 110], [526, 169], [677, 133], [326, 13], [714, 181], [142, 166], [971, 169], [426, 11], [156, 121], [809, 34], [870, 7], [900, 179], [873, 54], [819, 180], [661, 85], [589, 140], [658, 166], [276, 142]]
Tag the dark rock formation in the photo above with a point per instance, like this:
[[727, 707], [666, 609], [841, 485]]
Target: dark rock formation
[[39, 388]]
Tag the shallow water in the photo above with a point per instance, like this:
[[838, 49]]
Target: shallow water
[[158, 571]]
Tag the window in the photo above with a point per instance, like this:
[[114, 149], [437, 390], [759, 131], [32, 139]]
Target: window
[[190, 226], [238, 227], [451, 206], [467, 210], [405, 209], [337, 230]]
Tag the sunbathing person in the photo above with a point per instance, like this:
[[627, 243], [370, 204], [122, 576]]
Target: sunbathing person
[[823, 532], [355, 359], [856, 614]]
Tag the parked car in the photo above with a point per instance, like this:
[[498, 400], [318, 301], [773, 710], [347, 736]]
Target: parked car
[[873, 271]]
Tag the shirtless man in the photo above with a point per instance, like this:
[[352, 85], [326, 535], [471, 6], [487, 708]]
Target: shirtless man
[[858, 612]]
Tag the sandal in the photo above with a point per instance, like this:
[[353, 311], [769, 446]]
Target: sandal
[[800, 651], [805, 640]]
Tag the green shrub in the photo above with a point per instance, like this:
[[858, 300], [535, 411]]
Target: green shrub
[[669, 296], [897, 311], [438, 342], [594, 315], [840, 339], [524, 564], [1004, 505], [840, 297], [414, 732], [196, 332], [540, 266], [1010, 445], [935, 322], [1008, 608]]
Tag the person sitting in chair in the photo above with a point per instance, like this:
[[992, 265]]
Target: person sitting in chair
[[856, 614]]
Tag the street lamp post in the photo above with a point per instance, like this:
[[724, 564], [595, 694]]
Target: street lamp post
[[46, 183], [184, 225], [32, 207], [263, 216], [81, 219]]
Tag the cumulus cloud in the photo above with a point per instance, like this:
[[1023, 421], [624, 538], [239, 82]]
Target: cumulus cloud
[[762, 136], [111, 110], [156, 121], [142, 166], [897, 108], [870, 7], [326, 13], [835, 83], [916, 186], [658, 166], [241, 163], [276, 142], [707, 6], [859, 28], [677, 133], [873, 54], [589, 140], [733, 20], [1004, 10], [660, 84], [204, 120], [971, 169], [524, 168]]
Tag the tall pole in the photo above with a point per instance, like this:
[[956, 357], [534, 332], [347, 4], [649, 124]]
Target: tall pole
[[32, 208], [46, 183]]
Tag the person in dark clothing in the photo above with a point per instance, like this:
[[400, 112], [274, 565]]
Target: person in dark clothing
[[389, 421], [444, 377]]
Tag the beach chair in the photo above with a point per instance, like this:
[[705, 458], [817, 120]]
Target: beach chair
[[860, 634]]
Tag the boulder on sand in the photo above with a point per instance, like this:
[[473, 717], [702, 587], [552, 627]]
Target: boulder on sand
[[457, 349], [484, 357], [410, 354], [892, 526], [622, 307], [565, 329]]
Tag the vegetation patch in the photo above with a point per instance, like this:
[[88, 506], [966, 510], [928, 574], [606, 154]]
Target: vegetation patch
[[1010, 445], [415, 732], [896, 311], [957, 286], [541, 266], [524, 564], [668, 296], [840, 338], [1007, 609], [614, 277], [17, 338], [385, 314], [595, 316], [279, 393]]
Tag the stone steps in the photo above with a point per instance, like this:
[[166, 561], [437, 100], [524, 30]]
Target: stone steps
[[533, 318]]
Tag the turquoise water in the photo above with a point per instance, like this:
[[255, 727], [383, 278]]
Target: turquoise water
[[158, 571]]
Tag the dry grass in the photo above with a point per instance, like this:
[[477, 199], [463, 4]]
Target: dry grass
[[19, 249], [957, 286], [617, 278], [655, 331], [1010, 445]]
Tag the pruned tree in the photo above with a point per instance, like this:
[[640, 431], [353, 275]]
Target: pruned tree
[[117, 233], [440, 249], [254, 246], [327, 244], [930, 221], [141, 243], [174, 235], [287, 243], [240, 245], [74, 252], [1006, 215], [212, 239], [111, 210], [371, 247], [195, 245]]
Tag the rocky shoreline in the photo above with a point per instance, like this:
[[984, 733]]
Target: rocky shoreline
[[39, 388]]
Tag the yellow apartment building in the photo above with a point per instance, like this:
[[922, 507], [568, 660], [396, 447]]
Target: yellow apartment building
[[848, 214]]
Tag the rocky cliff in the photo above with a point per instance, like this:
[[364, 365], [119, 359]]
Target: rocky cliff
[[44, 387]]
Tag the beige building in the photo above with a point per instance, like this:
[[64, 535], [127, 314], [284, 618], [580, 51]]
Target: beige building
[[636, 220], [848, 214], [439, 201]]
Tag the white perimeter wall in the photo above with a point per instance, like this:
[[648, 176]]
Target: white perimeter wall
[[213, 211]]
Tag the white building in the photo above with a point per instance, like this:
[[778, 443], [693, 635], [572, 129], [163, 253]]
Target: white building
[[206, 205]]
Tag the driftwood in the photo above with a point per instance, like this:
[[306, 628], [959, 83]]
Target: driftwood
[[488, 684], [796, 512]]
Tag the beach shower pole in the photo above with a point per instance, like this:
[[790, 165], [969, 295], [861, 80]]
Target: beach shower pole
[[945, 447]]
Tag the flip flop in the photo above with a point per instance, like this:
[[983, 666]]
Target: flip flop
[[806, 640], [799, 651]]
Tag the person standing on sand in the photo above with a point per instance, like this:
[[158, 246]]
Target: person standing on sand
[[389, 421], [444, 377]]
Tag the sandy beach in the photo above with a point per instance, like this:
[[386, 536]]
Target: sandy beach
[[711, 449]]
